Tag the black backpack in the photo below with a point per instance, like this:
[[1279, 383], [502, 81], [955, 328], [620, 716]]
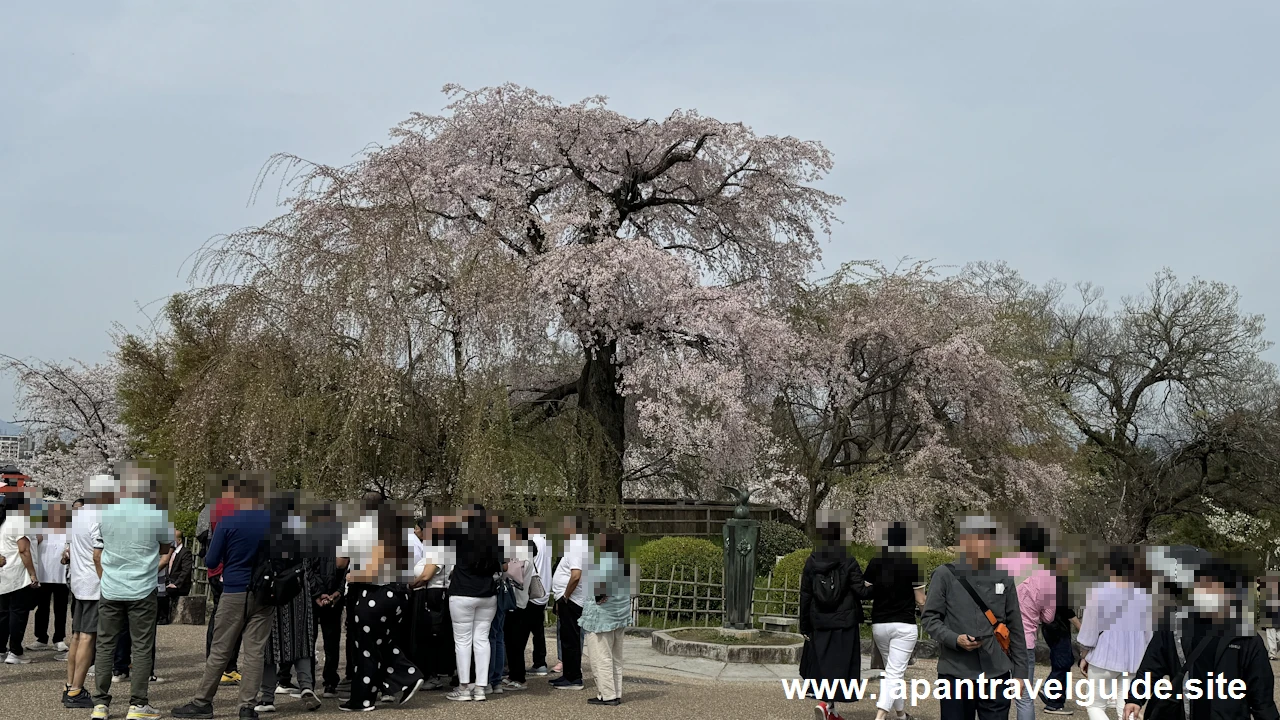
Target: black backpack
[[828, 587], [277, 570]]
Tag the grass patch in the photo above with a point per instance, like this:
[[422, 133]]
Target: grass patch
[[714, 636]]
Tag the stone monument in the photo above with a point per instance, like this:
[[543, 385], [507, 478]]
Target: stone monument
[[740, 536]]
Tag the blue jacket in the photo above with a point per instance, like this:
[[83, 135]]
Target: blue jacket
[[235, 545]]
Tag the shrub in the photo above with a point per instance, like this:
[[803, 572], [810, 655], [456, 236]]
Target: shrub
[[777, 539], [793, 564], [790, 567], [185, 520], [679, 557], [657, 558]]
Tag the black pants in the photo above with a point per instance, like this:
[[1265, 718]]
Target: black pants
[[354, 590], [568, 614], [516, 633], [327, 622], [15, 609], [1061, 658], [162, 610], [442, 659], [419, 631], [536, 622], [381, 658], [59, 596], [215, 587], [965, 705]]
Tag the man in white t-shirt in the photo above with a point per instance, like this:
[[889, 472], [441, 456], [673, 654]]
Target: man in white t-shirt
[[432, 627], [536, 610], [570, 593], [18, 579], [85, 588]]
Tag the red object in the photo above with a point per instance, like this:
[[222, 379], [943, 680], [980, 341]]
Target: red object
[[12, 480], [222, 507]]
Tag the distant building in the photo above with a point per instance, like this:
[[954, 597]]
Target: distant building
[[16, 448]]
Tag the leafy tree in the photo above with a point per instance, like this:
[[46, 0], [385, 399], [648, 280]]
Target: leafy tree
[[1170, 398]]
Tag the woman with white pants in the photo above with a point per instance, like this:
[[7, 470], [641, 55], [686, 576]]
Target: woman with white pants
[[897, 588], [473, 598], [1115, 630]]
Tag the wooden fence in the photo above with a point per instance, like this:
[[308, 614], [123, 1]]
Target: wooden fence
[[692, 598], [680, 517]]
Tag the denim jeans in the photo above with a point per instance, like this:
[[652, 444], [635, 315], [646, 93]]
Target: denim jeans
[[1061, 658], [497, 648], [1025, 703]]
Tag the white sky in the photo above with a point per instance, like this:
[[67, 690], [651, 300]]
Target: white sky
[[1080, 141]]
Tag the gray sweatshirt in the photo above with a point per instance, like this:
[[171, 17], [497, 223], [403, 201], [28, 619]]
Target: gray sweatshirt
[[950, 612]]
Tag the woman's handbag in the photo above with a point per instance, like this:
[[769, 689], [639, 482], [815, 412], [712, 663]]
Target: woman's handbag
[[506, 587], [536, 590]]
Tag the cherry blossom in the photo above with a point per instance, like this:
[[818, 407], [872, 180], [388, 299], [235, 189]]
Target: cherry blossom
[[72, 412]]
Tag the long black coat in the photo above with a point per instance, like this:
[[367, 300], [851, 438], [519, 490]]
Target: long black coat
[[848, 614]]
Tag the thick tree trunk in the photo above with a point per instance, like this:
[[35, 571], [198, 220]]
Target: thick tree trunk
[[811, 510], [599, 398]]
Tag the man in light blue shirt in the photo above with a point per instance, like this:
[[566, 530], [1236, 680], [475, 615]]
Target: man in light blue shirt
[[128, 541]]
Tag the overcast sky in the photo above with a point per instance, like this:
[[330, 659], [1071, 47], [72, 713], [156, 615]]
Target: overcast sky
[[1078, 140]]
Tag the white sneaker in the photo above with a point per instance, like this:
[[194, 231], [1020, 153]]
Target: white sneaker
[[91, 672], [460, 694], [38, 646], [264, 707], [119, 679], [510, 684], [142, 712], [61, 647], [100, 712], [12, 659], [477, 694], [309, 700], [60, 657]]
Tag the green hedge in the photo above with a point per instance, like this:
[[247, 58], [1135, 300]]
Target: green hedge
[[777, 539], [657, 558], [185, 520], [678, 558], [792, 565]]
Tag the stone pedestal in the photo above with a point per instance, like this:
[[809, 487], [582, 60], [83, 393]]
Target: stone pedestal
[[191, 610], [740, 538]]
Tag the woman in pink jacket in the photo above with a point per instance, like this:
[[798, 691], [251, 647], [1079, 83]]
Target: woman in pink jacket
[[1037, 598]]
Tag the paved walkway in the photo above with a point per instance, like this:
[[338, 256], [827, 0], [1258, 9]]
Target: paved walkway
[[640, 658], [655, 687]]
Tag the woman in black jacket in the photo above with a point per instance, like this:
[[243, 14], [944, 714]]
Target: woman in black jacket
[[897, 589], [473, 601], [831, 593]]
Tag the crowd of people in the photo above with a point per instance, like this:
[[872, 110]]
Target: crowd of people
[[362, 604], [985, 612], [366, 606]]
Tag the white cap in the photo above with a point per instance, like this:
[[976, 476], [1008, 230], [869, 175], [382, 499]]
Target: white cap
[[101, 484]]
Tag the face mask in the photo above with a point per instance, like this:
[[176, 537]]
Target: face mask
[[1207, 602]]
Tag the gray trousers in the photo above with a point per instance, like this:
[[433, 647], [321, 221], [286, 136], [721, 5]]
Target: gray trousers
[[237, 615], [302, 666], [141, 616]]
